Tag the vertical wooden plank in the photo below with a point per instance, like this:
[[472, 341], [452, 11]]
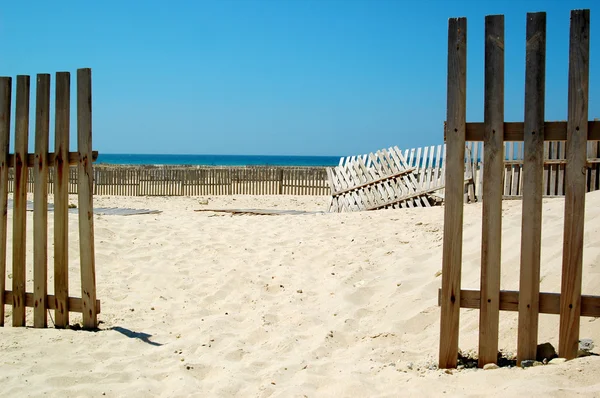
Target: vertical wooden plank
[[430, 167], [516, 172], [436, 173], [546, 183], [592, 149], [423, 172], [561, 168], [577, 132], [453, 210], [533, 166], [492, 190], [85, 198], [475, 153], [553, 167], [20, 199], [40, 202], [520, 157], [61, 199], [5, 109], [510, 155]]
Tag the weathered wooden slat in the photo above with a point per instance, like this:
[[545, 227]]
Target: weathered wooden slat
[[570, 303], [514, 131], [453, 210], [61, 199], [589, 162], [592, 150], [549, 303], [469, 172], [492, 190], [508, 149], [20, 200], [5, 113], [410, 196], [75, 303], [40, 202], [73, 158], [516, 169], [531, 230], [373, 182], [85, 197]]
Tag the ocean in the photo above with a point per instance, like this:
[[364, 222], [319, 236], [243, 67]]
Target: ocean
[[217, 160]]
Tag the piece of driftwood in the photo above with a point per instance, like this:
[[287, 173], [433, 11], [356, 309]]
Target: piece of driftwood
[[261, 212]]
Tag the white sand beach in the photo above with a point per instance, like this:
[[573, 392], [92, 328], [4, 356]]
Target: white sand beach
[[317, 305]]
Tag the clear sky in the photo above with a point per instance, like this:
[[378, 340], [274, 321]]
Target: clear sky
[[279, 77]]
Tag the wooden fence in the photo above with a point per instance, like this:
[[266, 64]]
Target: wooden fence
[[122, 180], [387, 178], [554, 168], [528, 301], [38, 165]]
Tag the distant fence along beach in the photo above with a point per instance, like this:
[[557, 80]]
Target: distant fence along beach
[[192, 180], [126, 180]]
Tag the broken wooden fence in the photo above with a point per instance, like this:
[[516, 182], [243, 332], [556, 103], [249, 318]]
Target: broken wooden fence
[[36, 295], [528, 301], [392, 178], [376, 181]]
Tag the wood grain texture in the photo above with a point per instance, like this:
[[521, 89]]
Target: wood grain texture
[[75, 303], [509, 301], [73, 159], [20, 199], [514, 131], [5, 109], [40, 202], [61, 199], [533, 167], [85, 198], [575, 183], [492, 190], [453, 211]]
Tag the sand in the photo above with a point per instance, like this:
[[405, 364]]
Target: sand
[[316, 305]]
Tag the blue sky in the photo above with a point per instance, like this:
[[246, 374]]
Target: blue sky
[[279, 77]]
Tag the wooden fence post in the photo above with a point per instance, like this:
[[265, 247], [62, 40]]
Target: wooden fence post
[[86, 206], [20, 199], [492, 190], [40, 204], [61, 199], [5, 109], [533, 167], [577, 135], [453, 211]]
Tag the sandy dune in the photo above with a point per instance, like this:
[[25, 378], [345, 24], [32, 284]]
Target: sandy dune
[[332, 305]]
